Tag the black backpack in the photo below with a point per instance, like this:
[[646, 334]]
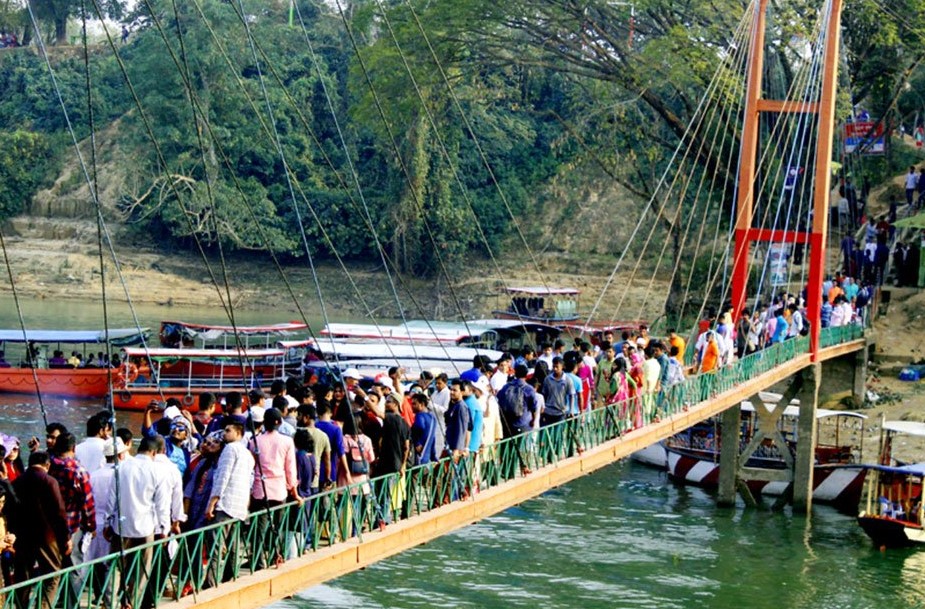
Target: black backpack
[[511, 400]]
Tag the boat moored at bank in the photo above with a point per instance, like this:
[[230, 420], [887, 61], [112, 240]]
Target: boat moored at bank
[[35, 372]]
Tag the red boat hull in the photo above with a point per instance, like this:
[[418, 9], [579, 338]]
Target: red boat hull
[[137, 399], [838, 486], [86, 383]]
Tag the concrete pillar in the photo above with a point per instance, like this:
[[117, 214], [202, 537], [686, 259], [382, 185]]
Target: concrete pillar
[[729, 455], [859, 386], [806, 439]]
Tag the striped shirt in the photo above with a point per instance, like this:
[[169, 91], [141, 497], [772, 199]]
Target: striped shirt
[[234, 476]]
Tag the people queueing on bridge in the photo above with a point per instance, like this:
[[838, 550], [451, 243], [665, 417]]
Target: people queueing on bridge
[[192, 471]]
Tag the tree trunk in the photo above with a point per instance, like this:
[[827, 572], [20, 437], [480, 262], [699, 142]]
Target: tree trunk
[[61, 29]]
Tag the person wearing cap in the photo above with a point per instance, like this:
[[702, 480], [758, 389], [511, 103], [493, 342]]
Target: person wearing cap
[[255, 416], [180, 444], [101, 484], [492, 430], [12, 458], [352, 381]]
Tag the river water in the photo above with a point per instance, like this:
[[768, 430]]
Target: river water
[[622, 537], [628, 537]]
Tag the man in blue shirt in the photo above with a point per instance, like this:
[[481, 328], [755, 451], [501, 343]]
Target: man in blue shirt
[[338, 450], [558, 392], [424, 431], [458, 427], [476, 416], [513, 424], [518, 410], [457, 422]]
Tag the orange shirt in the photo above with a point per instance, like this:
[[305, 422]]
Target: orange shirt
[[834, 292], [710, 361], [678, 342]]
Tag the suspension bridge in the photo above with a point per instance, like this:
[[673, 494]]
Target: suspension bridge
[[275, 553]]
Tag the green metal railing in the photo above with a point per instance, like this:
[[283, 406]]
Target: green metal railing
[[169, 569]]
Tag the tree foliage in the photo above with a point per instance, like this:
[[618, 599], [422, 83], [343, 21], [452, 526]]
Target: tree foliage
[[24, 160], [426, 126]]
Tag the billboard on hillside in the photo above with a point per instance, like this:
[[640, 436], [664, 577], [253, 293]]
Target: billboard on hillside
[[866, 136]]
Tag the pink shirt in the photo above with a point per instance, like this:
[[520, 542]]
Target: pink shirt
[[276, 465]]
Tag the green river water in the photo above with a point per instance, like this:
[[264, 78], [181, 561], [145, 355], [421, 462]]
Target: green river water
[[622, 537], [628, 537]]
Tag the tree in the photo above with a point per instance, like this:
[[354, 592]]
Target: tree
[[57, 12], [24, 164]]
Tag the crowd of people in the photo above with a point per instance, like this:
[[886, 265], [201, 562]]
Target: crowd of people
[[867, 252], [8, 40], [246, 454]]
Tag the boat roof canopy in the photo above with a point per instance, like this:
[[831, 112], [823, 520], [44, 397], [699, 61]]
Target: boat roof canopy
[[915, 469], [793, 410], [212, 332], [117, 336], [232, 354], [543, 291], [912, 428]]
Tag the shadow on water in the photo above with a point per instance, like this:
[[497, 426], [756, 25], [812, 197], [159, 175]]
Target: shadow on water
[[627, 537]]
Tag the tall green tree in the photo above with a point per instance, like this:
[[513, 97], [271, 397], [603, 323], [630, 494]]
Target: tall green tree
[[57, 12], [25, 159]]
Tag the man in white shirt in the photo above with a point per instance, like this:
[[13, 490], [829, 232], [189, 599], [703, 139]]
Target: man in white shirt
[[912, 180], [440, 403], [501, 375], [101, 481], [90, 452], [169, 475], [231, 494], [140, 509]]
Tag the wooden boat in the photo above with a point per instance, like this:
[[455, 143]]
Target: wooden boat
[[336, 352], [62, 381], [892, 515], [182, 335], [495, 334], [539, 303], [837, 478], [227, 370], [595, 331], [656, 454]]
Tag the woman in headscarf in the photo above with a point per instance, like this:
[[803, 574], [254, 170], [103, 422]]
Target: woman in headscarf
[[198, 488]]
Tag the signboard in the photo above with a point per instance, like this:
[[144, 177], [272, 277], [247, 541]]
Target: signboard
[[856, 137], [778, 263]]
